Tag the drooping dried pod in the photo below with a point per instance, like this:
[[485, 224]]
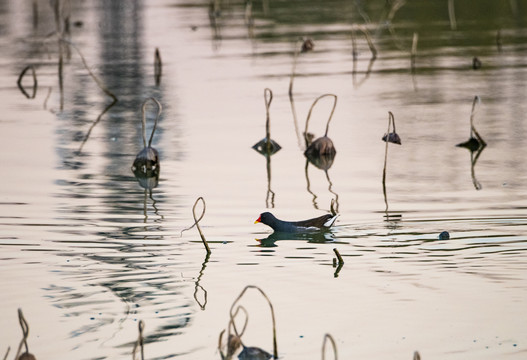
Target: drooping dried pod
[[391, 137]]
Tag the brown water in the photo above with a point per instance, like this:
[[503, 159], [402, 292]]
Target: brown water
[[86, 253]]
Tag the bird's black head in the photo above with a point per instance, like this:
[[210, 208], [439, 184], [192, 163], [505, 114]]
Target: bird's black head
[[265, 218]]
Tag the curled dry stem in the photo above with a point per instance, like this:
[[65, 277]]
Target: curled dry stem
[[143, 109], [268, 98], [196, 222], [231, 313], [311, 110], [233, 341], [333, 344], [25, 333], [233, 324]]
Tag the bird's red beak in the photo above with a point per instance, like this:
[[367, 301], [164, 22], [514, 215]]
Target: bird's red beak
[[258, 220]]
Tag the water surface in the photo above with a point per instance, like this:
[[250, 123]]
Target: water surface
[[87, 252]]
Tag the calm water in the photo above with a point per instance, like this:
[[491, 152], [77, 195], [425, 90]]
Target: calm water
[[87, 252]]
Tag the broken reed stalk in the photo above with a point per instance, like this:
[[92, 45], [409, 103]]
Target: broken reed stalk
[[275, 346], [95, 78], [311, 110], [452, 15], [140, 341], [143, 121], [196, 221], [268, 97], [333, 344], [339, 257], [158, 66], [35, 83], [414, 52]]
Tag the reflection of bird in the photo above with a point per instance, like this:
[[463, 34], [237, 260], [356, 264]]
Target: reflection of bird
[[310, 236], [323, 222]]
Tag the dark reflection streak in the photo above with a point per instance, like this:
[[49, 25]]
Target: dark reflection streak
[[35, 83], [94, 124], [356, 83], [473, 160], [337, 270], [60, 72], [330, 188], [249, 19], [148, 194], [395, 6], [198, 286], [156, 210], [309, 186], [373, 57], [145, 210], [45, 104], [214, 14], [269, 199], [384, 170]]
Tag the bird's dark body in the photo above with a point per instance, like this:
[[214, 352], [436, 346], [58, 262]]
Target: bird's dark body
[[323, 222]]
